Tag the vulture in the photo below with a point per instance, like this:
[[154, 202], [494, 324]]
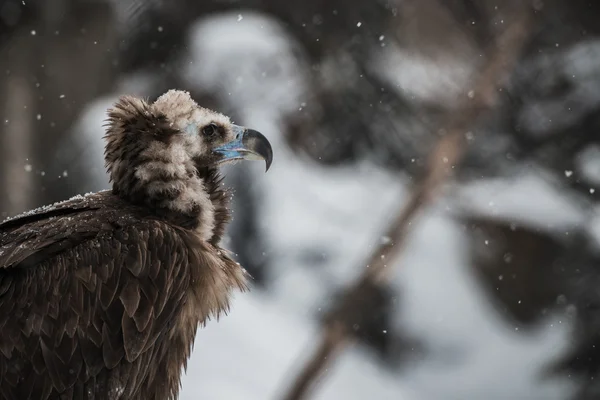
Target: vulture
[[101, 295]]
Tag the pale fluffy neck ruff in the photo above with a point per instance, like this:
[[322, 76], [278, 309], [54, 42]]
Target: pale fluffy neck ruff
[[182, 192], [149, 160]]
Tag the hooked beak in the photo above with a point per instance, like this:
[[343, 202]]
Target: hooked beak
[[247, 145]]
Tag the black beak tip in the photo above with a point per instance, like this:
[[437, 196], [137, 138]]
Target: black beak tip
[[268, 161], [260, 144], [268, 154]]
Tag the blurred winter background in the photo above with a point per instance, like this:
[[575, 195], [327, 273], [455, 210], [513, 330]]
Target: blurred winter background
[[496, 291]]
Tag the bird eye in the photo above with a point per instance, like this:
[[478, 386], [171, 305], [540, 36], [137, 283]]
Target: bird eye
[[210, 129]]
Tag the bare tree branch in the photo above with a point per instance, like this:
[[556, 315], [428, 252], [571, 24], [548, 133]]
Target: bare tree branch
[[444, 158]]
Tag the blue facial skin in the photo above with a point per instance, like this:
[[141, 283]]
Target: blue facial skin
[[236, 149], [247, 145], [191, 129], [233, 150]]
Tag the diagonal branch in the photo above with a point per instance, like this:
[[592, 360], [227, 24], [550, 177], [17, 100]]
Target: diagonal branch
[[444, 158]]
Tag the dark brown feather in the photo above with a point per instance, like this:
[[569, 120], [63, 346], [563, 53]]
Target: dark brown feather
[[94, 301]]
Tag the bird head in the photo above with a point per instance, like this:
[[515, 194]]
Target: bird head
[[208, 137], [172, 139], [167, 153]]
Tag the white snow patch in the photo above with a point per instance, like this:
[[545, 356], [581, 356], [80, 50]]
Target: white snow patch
[[530, 198], [422, 78], [254, 352]]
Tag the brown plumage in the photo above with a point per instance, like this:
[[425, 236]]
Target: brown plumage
[[101, 295]]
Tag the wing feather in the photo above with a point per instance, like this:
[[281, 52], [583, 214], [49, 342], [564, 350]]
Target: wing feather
[[85, 292]]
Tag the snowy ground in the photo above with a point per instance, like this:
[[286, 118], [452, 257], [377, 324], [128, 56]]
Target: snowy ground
[[253, 352]]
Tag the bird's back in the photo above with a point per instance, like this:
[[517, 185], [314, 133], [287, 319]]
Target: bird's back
[[89, 291]]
